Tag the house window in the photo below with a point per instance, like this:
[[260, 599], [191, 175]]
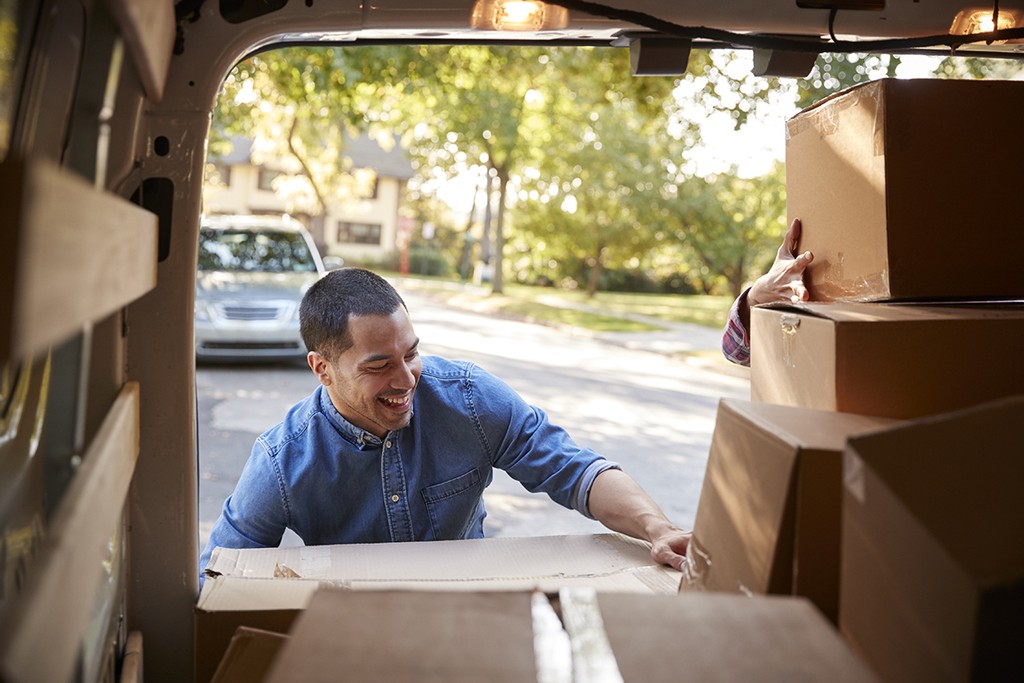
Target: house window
[[358, 233], [266, 179]]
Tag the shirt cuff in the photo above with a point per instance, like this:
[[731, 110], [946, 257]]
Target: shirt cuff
[[581, 500], [736, 338]]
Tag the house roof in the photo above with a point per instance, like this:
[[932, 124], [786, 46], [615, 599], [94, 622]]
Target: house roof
[[362, 151]]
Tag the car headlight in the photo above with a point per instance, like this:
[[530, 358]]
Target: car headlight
[[202, 311]]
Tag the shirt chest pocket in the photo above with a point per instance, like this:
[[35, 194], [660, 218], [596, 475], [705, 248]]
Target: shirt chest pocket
[[454, 504]]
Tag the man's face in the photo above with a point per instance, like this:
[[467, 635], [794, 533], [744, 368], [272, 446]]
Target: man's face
[[371, 384]]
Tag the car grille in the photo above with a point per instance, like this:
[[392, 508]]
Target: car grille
[[252, 346], [241, 312]]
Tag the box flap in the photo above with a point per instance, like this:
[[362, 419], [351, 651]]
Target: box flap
[[397, 637], [249, 656], [608, 560], [975, 469], [727, 639]]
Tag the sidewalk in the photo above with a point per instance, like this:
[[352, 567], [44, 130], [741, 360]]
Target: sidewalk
[[693, 344]]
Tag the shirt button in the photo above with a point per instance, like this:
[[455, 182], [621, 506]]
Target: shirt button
[[387, 444], [394, 498]]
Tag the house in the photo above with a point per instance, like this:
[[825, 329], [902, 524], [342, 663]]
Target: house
[[362, 228]]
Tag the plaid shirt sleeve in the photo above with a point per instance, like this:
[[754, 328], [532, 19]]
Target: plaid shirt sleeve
[[736, 338]]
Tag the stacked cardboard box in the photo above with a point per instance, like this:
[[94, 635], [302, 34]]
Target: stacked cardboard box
[[909, 323], [399, 637], [933, 547], [771, 502], [268, 588]]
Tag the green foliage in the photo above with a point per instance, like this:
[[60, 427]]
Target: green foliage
[[833, 72], [979, 68], [596, 169]]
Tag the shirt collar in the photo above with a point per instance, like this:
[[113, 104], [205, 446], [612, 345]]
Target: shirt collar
[[356, 435]]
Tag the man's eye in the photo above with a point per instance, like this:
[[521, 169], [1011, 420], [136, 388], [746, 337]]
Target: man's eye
[[412, 355], [380, 368]]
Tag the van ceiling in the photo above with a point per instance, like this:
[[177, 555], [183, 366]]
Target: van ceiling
[[839, 25]]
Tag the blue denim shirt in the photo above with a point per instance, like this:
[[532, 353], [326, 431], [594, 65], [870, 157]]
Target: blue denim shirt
[[332, 482]]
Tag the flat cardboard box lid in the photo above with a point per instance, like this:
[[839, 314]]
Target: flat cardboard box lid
[[602, 561]]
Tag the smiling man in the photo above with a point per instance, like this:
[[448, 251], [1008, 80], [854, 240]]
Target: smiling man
[[393, 446]]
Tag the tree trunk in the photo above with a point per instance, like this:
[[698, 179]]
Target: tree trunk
[[596, 270], [497, 277], [316, 222]]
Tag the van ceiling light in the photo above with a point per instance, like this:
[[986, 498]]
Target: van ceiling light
[[517, 15], [977, 20]]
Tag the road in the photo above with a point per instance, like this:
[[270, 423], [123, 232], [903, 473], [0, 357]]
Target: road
[[651, 413]]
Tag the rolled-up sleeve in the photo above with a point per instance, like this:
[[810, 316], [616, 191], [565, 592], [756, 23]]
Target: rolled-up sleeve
[[736, 337]]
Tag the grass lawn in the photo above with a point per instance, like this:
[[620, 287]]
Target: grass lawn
[[605, 312]]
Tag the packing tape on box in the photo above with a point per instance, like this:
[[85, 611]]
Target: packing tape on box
[[696, 567]]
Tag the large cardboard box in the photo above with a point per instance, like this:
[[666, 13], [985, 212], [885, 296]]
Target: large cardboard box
[[889, 360], [902, 185], [395, 637], [769, 515], [933, 547], [267, 588]]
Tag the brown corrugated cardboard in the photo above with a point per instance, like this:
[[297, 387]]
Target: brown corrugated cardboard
[[267, 587], [410, 637], [395, 637], [227, 603], [933, 547], [889, 360], [249, 656], [899, 182], [768, 520], [609, 561], [727, 639]]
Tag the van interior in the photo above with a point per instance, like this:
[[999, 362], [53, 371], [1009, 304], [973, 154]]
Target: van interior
[[105, 111]]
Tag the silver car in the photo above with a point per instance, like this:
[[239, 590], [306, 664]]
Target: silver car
[[252, 273]]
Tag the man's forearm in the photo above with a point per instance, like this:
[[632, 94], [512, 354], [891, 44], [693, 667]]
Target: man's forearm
[[620, 504]]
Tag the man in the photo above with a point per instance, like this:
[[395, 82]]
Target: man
[[392, 446], [784, 281]]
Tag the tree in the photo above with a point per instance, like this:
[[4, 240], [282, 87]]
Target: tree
[[731, 224], [301, 104]]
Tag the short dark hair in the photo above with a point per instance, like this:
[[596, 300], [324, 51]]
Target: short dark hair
[[328, 304]]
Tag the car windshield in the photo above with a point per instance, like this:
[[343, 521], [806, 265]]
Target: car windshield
[[264, 251]]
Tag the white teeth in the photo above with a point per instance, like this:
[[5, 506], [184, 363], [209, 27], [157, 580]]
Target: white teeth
[[394, 401]]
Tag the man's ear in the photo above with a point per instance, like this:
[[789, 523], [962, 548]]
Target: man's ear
[[318, 364]]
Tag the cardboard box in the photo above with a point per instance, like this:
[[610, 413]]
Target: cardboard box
[[769, 515], [249, 656], [410, 637], [908, 189], [727, 639], [268, 587], [890, 360], [378, 636], [227, 603], [933, 547]]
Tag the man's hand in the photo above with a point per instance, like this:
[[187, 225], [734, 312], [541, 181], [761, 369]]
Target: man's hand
[[785, 280], [670, 547]]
